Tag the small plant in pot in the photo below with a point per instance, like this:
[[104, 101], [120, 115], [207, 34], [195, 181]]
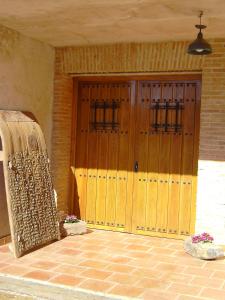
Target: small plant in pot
[[202, 246], [73, 225], [71, 219]]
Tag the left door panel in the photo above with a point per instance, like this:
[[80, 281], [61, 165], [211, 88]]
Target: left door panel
[[104, 153]]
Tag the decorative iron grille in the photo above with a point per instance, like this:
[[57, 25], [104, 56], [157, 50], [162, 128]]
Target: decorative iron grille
[[167, 116], [104, 115]]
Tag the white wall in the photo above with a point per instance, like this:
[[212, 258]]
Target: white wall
[[211, 199]]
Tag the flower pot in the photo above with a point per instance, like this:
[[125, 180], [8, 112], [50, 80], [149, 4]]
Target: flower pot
[[203, 250], [75, 228]]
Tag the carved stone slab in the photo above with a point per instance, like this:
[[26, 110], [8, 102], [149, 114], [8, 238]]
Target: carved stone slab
[[29, 190]]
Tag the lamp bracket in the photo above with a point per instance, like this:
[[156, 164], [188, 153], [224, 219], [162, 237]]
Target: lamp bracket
[[200, 26]]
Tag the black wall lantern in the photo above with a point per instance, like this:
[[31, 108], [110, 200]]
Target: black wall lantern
[[200, 46]]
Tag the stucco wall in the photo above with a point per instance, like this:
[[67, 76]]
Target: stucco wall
[[26, 77], [154, 57]]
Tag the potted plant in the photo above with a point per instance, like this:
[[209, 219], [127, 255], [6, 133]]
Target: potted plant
[[202, 246], [72, 225]]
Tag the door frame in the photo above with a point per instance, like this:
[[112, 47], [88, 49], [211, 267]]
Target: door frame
[[136, 77]]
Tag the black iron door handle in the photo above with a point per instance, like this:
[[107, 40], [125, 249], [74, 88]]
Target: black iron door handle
[[136, 166]]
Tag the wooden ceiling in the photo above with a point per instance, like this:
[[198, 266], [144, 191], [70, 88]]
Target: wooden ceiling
[[85, 22]]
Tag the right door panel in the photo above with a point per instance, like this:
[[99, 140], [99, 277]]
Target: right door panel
[[166, 141]]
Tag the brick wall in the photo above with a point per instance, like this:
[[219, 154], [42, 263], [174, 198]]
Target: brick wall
[[158, 57]]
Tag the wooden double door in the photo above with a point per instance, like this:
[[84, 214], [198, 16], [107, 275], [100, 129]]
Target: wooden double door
[[136, 155]]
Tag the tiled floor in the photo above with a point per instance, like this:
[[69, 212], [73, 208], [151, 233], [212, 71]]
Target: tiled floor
[[121, 264]]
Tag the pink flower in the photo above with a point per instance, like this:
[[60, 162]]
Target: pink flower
[[71, 219], [204, 237]]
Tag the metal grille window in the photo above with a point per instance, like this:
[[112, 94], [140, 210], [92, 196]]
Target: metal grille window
[[167, 116], [104, 115]]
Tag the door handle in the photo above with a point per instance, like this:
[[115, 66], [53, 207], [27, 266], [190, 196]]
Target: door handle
[[136, 166]]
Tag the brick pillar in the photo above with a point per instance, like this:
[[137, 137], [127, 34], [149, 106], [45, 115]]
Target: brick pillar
[[61, 136]]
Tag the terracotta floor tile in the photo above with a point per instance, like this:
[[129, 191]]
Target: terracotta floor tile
[[179, 246], [120, 259], [95, 255], [163, 258], [69, 251], [24, 260], [5, 256], [213, 294], [211, 283], [112, 252], [46, 265], [4, 249], [150, 283], [91, 247], [148, 263], [39, 275], [69, 269], [67, 280], [169, 267], [71, 244], [184, 297], [138, 254], [159, 250], [95, 274], [215, 267], [95, 242], [124, 278], [136, 239], [96, 285], [177, 277], [120, 268], [180, 252], [184, 289], [144, 272], [190, 261], [134, 247], [124, 290], [156, 243], [93, 264], [3, 265], [69, 259], [219, 274], [157, 295], [113, 246], [198, 271], [16, 270]]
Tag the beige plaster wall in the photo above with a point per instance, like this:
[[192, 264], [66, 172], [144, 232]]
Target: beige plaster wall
[[26, 77]]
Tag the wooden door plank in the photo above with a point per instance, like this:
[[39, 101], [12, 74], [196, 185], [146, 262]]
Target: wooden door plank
[[164, 168], [102, 162], [195, 157], [92, 161], [141, 157], [130, 182], [187, 158], [123, 155], [112, 158], [153, 165], [175, 165], [80, 193]]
